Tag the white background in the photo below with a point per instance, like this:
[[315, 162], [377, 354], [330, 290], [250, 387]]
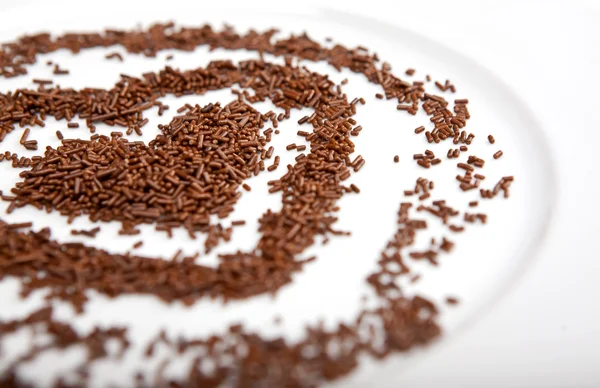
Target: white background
[[546, 331]]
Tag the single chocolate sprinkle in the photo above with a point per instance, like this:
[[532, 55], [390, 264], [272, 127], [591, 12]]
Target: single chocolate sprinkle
[[24, 136], [114, 55], [42, 81], [456, 228]]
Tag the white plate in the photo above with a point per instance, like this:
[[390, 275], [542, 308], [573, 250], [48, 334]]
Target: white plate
[[478, 271]]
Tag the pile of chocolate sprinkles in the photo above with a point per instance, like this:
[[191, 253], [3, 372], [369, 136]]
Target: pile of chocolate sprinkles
[[179, 179], [124, 104], [193, 173]]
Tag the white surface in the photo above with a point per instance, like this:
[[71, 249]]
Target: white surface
[[479, 268], [544, 333]]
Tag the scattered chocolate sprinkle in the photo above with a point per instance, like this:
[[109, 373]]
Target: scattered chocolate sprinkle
[[465, 167], [58, 71], [42, 81], [24, 136], [498, 154], [456, 228], [114, 55], [89, 233]]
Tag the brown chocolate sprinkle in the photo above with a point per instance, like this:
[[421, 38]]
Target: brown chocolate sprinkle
[[498, 154], [465, 167], [396, 159], [194, 169], [456, 228], [89, 233], [42, 81], [452, 300], [491, 139], [58, 71], [24, 136], [114, 55]]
